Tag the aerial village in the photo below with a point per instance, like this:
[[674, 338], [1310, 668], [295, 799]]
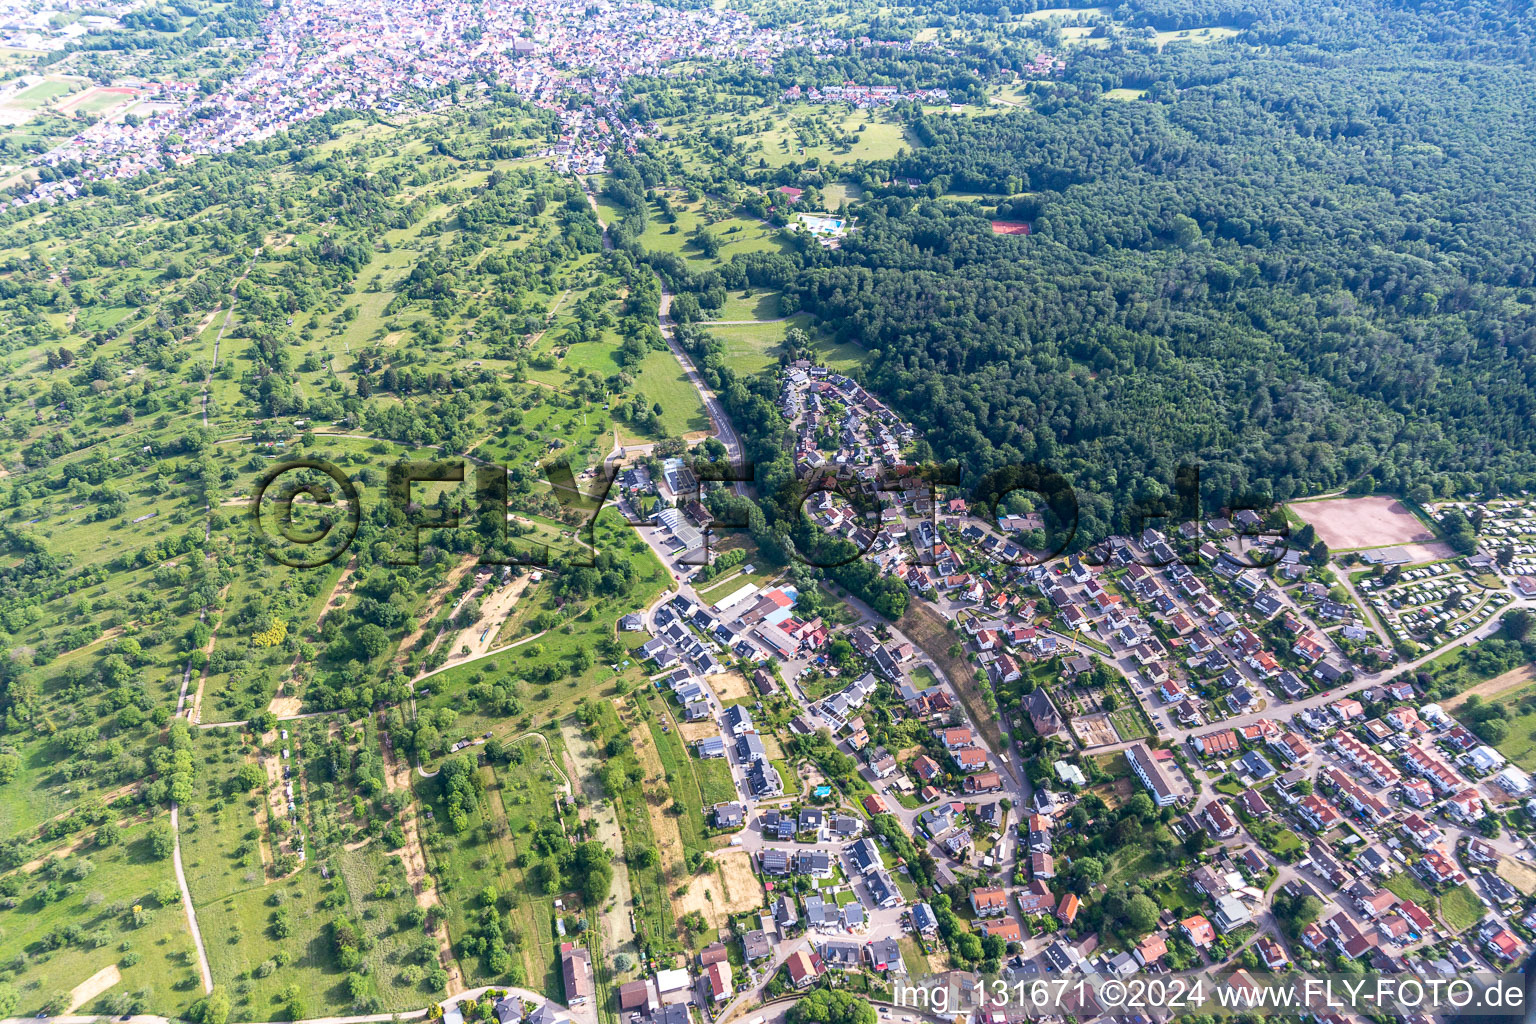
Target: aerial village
[[392, 57], [1322, 807], [915, 806]]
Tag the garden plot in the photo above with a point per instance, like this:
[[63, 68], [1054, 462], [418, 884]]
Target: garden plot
[[1095, 730]]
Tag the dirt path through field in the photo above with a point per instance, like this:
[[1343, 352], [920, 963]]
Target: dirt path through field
[[285, 704], [195, 715], [582, 764], [195, 709], [1490, 688], [93, 986], [549, 318], [75, 844], [263, 826], [339, 593], [431, 608]]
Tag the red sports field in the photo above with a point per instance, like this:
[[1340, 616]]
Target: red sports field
[[1348, 523]]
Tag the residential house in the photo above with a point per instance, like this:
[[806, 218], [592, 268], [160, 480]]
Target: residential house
[[1198, 930], [989, 901], [576, 969]]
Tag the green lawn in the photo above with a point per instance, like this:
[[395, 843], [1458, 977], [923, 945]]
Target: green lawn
[[1209, 34], [1461, 908], [102, 101], [1231, 787], [843, 356], [1281, 842], [1130, 865], [1114, 765], [93, 900], [752, 348], [733, 580], [840, 192], [661, 379], [1407, 887], [735, 233], [791, 778], [1175, 893], [40, 95], [803, 131], [715, 782], [750, 304], [1519, 742], [913, 957]]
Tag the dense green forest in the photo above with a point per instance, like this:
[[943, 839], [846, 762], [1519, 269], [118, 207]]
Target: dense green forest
[[1303, 265]]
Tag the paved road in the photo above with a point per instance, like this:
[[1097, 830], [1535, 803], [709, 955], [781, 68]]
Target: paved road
[[1366, 608], [1166, 727], [725, 431], [1016, 786], [1362, 681]]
